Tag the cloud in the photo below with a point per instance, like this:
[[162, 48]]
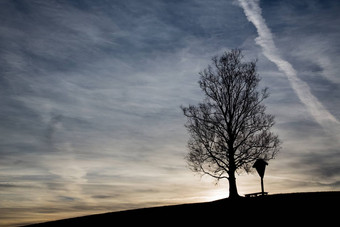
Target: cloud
[[100, 84], [104, 96], [302, 42], [301, 88]]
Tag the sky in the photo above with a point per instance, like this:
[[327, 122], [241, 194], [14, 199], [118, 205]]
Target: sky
[[90, 96]]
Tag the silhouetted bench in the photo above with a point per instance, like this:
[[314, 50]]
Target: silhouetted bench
[[255, 194]]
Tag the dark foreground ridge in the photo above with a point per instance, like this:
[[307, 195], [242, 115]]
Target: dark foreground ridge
[[271, 210]]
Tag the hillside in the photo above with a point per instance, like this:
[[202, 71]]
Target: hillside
[[295, 208]]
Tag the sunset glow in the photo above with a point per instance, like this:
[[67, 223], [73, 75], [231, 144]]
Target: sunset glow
[[90, 116]]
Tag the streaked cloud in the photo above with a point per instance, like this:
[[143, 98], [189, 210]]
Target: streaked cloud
[[266, 41], [90, 94]]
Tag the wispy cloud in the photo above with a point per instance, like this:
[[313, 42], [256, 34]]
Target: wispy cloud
[[265, 39], [90, 94]]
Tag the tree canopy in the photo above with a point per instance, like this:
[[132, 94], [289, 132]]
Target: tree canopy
[[229, 130]]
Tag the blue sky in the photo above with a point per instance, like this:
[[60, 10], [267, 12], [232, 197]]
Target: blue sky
[[90, 95]]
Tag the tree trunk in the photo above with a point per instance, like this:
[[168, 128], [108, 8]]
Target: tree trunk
[[232, 185]]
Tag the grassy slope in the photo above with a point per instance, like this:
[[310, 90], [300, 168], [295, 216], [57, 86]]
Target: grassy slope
[[271, 210]]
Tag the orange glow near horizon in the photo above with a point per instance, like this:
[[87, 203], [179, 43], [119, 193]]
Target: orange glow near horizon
[[90, 96]]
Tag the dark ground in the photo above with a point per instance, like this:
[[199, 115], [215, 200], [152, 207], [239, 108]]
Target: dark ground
[[273, 210]]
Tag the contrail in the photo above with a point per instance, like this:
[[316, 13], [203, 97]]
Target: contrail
[[265, 39]]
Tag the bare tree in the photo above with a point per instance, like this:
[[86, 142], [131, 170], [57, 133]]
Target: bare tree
[[229, 130]]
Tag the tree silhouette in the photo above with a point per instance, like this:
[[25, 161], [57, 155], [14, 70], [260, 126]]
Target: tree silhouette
[[229, 130]]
